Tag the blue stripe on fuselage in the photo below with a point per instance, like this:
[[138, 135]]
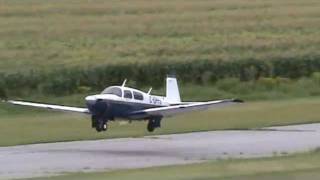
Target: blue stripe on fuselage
[[122, 109]]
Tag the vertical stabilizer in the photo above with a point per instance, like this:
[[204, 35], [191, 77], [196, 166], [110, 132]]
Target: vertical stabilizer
[[172, 93]]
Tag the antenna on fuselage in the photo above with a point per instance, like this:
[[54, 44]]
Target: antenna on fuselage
[[124, 82], [149, 90]]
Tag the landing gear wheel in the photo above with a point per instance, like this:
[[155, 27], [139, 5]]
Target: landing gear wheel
[[150, 126], [154, 123], [101, 126]]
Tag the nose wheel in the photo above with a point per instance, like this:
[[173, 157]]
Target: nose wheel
[[102, 126], [99, 124]]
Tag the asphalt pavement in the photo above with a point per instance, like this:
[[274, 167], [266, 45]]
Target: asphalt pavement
[[127, 153]]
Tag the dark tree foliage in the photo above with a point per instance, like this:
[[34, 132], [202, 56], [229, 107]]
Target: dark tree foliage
[[3, 93]]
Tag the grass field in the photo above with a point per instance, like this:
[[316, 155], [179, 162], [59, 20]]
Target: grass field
[[301, 166], [21, 125], [44, 34]]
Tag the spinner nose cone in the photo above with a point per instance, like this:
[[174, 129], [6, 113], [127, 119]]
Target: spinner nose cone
[[96, 105], [91, 98], [90, 101]]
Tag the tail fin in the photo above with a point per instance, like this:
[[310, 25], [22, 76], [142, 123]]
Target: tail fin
[[172, 93]]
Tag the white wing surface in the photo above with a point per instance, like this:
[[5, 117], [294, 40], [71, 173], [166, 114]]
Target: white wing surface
[[51, 107], [182, 108]]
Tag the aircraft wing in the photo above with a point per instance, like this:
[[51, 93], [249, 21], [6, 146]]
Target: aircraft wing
[[182, 108], [49, 106]]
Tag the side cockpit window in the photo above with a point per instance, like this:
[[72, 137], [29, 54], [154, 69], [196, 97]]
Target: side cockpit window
[[137, 95], [127, 94], [113, 90]]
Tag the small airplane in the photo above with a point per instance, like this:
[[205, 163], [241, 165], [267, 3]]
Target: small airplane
[[131, 104]]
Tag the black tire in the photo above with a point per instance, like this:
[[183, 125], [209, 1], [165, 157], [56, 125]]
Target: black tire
[[98, 129], [100, 125], [150, 126]]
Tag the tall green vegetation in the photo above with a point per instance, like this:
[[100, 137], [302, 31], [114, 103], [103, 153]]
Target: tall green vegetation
[[3, 93], [78, 80]]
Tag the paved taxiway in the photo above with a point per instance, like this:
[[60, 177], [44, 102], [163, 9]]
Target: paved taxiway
[[54, 158]]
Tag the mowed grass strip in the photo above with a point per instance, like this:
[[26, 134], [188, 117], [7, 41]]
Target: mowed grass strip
[[21, 125], [46, 34], [301, 166]]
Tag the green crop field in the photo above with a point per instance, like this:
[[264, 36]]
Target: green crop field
[[44, 34]]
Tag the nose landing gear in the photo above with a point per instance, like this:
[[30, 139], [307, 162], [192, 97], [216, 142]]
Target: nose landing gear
[[102, 126], [99, 124]]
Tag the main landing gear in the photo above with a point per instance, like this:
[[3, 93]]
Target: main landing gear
[[101, 124], [154, 123]]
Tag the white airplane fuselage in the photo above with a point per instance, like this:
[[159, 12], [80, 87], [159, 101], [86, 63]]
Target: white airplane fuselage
[[120, 102]]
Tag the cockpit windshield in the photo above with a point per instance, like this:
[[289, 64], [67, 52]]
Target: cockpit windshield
[[113, 90]]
